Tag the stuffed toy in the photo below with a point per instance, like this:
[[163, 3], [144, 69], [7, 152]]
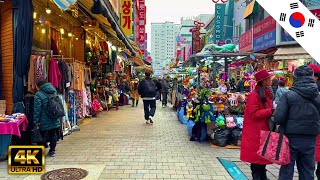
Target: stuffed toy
[[223, 88], [189, 109], [197, 111], [206, 113], [220, 121], [233, 100], [252, 83], [230, 122]]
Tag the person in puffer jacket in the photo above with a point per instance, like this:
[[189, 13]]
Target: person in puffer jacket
[[298, 113]]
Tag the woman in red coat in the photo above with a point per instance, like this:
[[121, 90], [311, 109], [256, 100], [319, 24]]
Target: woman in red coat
[[258, 111]]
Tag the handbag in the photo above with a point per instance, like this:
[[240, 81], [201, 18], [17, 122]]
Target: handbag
[[36, 135], [274, 147]]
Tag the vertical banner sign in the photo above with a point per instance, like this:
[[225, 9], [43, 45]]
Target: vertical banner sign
[[141, 26], [219, 22], [126, 17], [197, 43], [298, 22]]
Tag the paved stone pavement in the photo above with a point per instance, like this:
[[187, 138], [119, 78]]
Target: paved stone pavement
[[119, 145]]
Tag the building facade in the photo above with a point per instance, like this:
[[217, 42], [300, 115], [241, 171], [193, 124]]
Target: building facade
[[163, 38]]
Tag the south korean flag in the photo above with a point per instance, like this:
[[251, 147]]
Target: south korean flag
[[298, 21]]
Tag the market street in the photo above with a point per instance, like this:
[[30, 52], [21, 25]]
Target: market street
[[119, 145]]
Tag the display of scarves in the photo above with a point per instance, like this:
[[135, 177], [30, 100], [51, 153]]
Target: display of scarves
[[80, 105]]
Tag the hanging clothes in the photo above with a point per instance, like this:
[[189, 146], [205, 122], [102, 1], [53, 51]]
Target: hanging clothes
[[70, 74], [54, 73], [72, 109], [63, 67], [39, 72], [44, 67], [31, 73]]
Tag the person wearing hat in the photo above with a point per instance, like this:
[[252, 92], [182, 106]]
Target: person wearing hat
[[298, 114], [258, 111], [316, 75]]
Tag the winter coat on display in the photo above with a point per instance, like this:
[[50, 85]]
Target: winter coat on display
[[298, 111], [256, 118], [40, 112]]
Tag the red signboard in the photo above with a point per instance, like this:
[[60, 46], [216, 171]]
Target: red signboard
[[264, 26], [245, 41], [141, 24]]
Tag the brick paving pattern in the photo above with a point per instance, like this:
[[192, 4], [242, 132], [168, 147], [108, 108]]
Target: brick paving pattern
[[119, 145]]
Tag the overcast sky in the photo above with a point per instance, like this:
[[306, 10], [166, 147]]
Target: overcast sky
[[173, 10]]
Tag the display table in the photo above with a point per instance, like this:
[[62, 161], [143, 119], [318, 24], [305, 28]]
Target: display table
[[10, 128]]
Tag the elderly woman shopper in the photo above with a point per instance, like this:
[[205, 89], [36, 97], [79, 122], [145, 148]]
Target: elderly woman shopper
[[258, 111], [298, 113]]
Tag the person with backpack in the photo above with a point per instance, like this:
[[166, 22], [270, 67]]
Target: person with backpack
[[48, 109], [298, 113], [148, 89]]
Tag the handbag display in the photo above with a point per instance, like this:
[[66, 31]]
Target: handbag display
[[36, 135], [274, 147]]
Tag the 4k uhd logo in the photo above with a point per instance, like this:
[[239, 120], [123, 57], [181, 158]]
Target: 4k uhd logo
[[26, 159]]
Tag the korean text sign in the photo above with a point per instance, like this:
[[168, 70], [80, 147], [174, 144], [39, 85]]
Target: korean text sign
[[126, 17]]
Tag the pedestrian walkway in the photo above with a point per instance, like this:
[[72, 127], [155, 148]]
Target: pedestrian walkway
[[119, 145]]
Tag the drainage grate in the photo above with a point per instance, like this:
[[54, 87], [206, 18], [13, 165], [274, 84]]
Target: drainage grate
[[65, 174]]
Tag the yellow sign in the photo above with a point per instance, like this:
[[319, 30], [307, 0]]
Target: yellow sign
[[126, 16], [26, 159]]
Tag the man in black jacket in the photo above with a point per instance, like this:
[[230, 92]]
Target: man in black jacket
[[148, 89], [298, 113]]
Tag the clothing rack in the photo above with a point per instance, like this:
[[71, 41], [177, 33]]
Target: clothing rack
[[43, 52]]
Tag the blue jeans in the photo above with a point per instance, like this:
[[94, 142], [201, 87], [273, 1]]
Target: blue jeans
[[302, 151]]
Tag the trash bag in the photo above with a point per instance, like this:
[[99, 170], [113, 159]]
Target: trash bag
[[221, 137], [236, 134], [199, 132], [190, 125]]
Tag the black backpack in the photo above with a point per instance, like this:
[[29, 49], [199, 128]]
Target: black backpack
[[54, 107], [150, 87]]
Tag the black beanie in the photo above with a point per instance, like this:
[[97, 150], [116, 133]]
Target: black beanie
[[303, 71]]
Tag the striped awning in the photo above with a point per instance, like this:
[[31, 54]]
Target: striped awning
[[291, 53]]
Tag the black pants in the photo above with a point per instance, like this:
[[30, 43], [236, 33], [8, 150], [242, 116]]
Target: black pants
[[259, 172], [51, 137], [302, 150], [149, 108], [164, 98], [135, 101]]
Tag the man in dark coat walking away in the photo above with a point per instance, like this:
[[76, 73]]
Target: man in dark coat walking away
[[298, 114], [148, 89]]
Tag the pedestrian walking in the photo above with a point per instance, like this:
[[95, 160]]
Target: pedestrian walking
[[280, 91], [316, 77], [258, 111], [43, 119], [274, 87], [134, 92], [298, 113], [165, 90], [148, 89]]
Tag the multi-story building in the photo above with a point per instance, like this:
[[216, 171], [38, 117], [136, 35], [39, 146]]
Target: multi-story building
[[163, 40]]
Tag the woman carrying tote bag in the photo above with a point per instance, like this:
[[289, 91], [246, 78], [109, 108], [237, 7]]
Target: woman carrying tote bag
[[258, 111], [298, 113]]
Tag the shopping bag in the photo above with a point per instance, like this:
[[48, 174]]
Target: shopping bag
[[274, 147], [36, 135]]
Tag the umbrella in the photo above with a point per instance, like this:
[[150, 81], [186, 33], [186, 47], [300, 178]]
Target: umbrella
[[23, 35]]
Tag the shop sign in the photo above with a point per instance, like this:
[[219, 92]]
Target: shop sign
[[141, 22], [265, 41], [264, 34], [126, 17], [284, 38], [245, 41], [197, 43], [264, 26], [219, 22]]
